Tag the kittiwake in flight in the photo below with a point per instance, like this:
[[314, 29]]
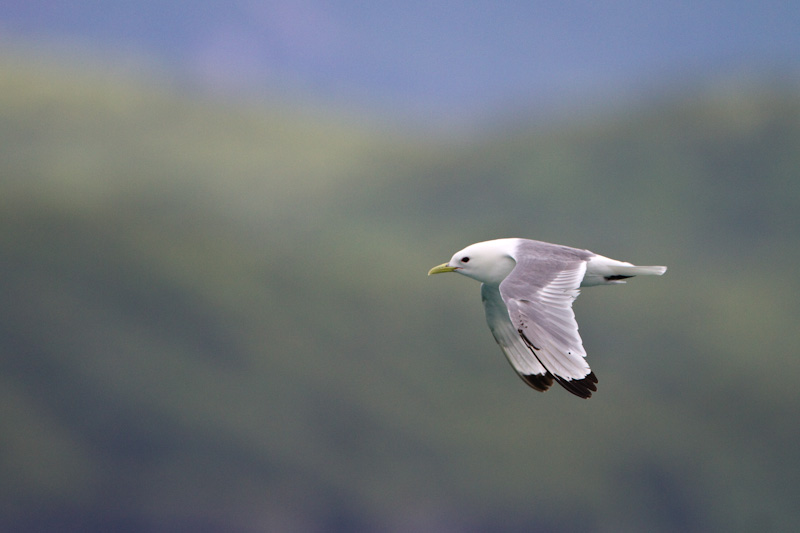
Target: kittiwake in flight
[[527, 290]]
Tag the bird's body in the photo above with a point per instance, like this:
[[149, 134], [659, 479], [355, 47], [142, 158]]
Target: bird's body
[[527, 290]]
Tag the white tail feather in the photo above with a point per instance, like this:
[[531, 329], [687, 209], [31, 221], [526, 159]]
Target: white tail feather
[[606, 271], [641, 270]]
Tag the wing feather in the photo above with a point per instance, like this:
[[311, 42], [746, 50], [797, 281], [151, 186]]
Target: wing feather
[[516, 351], [537, 296]]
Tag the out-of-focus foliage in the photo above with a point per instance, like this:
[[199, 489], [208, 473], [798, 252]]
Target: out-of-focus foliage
[[215, 316]]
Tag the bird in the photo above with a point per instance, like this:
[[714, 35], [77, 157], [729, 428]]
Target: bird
[[527, 289]]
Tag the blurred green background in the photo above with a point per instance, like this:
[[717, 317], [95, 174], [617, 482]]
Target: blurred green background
[[215, 314]]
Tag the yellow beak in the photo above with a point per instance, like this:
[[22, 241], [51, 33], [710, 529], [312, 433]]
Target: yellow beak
[[441, 268]]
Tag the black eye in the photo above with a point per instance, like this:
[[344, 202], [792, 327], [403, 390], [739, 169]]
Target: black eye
[[465, 259]]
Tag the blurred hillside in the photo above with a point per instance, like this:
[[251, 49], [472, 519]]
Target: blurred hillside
[[215, 316]]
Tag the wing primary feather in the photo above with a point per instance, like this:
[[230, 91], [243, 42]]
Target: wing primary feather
[[582, 388], [540, 382], [530, 344]]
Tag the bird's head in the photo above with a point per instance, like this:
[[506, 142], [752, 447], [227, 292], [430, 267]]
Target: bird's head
[[488, 262]]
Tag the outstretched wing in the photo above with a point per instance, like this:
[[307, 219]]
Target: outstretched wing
[[540, 337], [517, 352]]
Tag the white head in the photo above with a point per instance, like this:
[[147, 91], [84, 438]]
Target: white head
[[488, 262]]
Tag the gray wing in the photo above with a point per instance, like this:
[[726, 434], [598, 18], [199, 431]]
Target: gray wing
[[538, 296]]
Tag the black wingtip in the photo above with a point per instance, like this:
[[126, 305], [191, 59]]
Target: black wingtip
[[582, 388], [540, 382]]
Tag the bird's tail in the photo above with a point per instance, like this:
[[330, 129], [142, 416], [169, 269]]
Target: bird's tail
[[620, 273], [605, 271], [640, 270]]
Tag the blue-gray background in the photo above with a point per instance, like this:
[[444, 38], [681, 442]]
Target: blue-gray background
[[216, 223]]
